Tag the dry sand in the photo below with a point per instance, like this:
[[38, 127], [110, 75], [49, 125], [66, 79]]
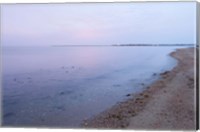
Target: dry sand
[[168, 104]]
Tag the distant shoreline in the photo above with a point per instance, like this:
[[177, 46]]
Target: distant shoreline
[[119, 45], [167, 104]]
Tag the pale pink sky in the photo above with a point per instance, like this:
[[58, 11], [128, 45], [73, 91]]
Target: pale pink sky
[[111, 23]]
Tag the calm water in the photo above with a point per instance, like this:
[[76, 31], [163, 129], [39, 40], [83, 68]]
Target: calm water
[[61, 86]]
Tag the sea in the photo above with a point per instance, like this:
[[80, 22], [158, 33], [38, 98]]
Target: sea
[[63, 86]]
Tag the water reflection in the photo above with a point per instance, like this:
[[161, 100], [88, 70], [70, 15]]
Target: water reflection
[[61, 86]]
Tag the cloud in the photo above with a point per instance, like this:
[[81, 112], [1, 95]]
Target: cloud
[[41, 24]]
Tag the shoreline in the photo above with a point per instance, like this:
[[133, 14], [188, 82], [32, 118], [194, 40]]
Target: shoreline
[[168, 103]]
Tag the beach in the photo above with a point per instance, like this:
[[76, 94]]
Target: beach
[[167, 104]]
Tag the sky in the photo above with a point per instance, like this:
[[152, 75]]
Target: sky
[[98, 23]]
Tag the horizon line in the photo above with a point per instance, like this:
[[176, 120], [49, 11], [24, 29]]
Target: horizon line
[[177, 44]]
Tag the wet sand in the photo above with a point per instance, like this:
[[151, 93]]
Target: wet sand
[[167, 104]]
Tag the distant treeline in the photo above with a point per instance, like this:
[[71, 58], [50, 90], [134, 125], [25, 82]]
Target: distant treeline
[[153, 45], [127, 45]]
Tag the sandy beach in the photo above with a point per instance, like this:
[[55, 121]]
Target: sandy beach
[[167, 104]]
